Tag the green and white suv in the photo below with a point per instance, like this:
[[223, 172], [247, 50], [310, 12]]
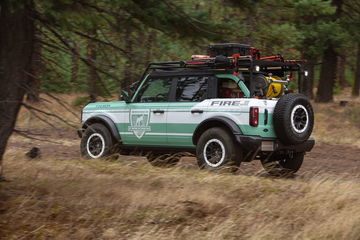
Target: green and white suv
[[213, 108]]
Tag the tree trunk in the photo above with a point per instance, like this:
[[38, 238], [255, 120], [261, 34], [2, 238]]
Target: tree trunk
[[74, 65], [329, 63], [35, 69], [327, 75], [340, 77], [16, 33], [356, 87], [307, 83], [128, 76], [93, 77]]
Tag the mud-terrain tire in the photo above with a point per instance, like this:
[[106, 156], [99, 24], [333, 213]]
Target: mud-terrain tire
[[96, 142], [163, 160], [283, 164], [216, 150], [293, 119]]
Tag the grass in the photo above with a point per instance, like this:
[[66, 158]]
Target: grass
[[78, 199], [128, 199], [336, 124], [354, 115]]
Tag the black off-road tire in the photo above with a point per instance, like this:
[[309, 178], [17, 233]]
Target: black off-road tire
[[283, 164], [96, 142], [210, 154], [293, 119], [163, 160]]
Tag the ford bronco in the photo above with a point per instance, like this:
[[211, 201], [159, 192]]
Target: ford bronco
[[228, 107]]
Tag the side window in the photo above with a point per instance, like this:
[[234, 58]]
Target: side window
[[192, 89], [154, 90], [228, 88]]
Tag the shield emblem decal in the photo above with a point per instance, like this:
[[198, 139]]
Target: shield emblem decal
[[139, 122]]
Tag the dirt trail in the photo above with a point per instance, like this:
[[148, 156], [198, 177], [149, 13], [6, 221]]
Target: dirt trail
[[333, 159], [328, 159]]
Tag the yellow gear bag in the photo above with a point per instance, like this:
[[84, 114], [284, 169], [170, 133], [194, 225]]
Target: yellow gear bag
[[275, 90]]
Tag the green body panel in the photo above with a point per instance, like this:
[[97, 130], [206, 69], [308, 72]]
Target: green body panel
[[166, 139], [181, 128], [117, 105], [147, 138], [265, 131]]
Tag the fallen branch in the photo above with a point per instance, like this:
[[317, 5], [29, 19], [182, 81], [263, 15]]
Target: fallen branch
[[28, 135], [49, 114], [44, 120]]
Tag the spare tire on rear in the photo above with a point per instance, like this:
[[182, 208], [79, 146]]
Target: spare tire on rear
[[293, 119]]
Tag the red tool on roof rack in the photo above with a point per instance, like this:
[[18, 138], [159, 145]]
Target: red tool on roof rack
[[235, 51]]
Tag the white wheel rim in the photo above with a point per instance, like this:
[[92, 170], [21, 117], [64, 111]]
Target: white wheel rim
[[92, 136], [218, 163], [294, 119]]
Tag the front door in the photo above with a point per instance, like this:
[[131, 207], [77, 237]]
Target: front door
[[146, 123]]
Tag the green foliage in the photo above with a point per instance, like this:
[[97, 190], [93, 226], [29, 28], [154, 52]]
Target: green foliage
[[337, 89], [349, 76], [312, 19], [126, 34]]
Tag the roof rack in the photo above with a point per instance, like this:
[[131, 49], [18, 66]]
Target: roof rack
[[216, 64], [236, 62]]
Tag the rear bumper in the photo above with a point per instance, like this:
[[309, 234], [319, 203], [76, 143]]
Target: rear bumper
[[251, 143]]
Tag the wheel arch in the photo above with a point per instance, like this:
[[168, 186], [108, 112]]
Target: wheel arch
[[220, 121], [106, 121]]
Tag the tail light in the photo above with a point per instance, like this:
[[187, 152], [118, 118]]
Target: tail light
[[254, 116]]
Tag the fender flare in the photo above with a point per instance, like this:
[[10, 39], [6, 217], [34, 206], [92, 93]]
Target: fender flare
[[213, 122], [104, 120]]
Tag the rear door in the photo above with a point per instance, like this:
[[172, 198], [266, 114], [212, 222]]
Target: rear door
[[188, 107], [146, 119]]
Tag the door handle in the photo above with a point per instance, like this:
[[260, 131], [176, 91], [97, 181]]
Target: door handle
[[197, 111], [158, 111]]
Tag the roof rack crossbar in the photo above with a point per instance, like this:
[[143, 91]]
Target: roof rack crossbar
[[235, 65]]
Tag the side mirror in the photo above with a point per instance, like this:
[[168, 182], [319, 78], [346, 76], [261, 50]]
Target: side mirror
[[125, 96]]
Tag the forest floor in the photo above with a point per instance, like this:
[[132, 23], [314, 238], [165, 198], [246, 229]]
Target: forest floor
[[60, 196]]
